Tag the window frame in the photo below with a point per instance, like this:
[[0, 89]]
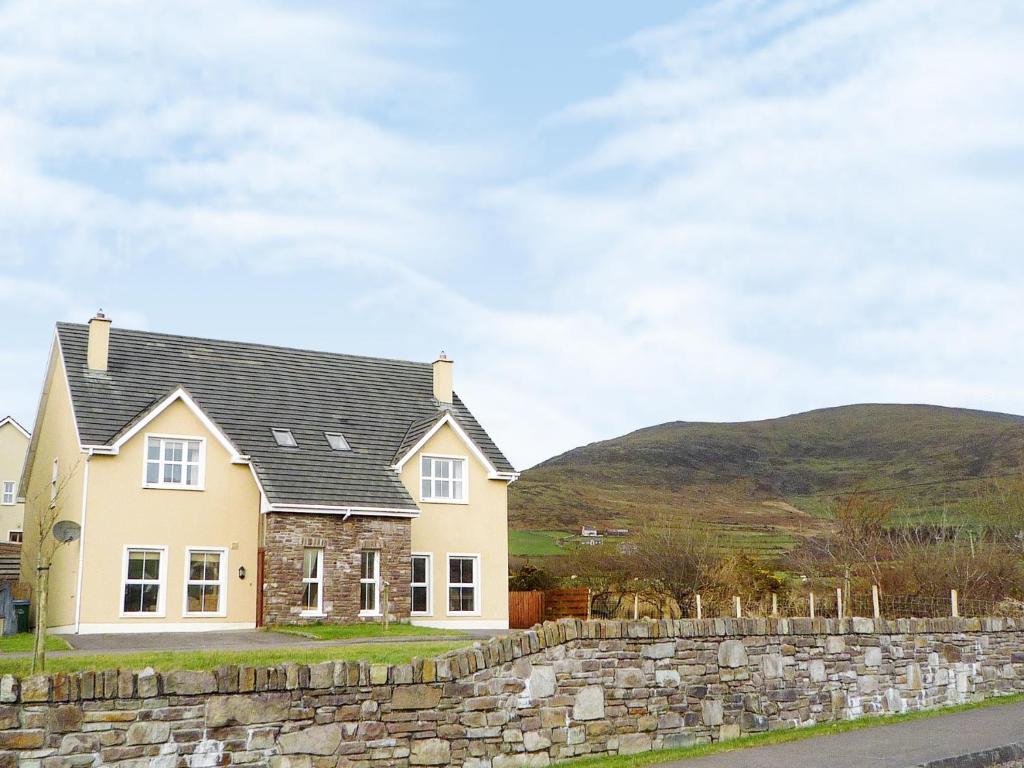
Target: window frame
[[287, 431], [476, 583], [54, 475], [319, 580], [346, 445], [428, 584], [13, 495], [222, 583], [160, 484], [434, 478], [375, 611], [19, 533], [161, 600]]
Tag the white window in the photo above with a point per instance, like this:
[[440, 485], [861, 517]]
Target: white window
[[337, 441], [7, 498], [463, 584], [15, 536], [420, 584], [442, 478], [205, 582], [313, 582], [145, 570], [174, 462], [284, 438], [54, 472], [369, 583]]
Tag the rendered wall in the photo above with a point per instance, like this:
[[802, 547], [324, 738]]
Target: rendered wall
[[478, 527], [13, 445]]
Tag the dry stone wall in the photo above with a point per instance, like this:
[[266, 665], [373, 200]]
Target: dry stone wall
[[529, 699]]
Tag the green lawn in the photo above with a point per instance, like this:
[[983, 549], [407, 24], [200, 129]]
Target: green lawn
[[776, 737], [377, 653], [363, 630], [22, 643], [535, 543]]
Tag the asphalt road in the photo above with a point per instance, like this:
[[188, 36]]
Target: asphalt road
[[904, 745]]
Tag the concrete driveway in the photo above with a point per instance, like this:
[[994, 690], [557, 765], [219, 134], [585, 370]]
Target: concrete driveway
[[234, 640]]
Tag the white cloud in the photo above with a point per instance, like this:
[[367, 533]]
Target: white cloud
[[788, 209], [235, 130], [791, 204]]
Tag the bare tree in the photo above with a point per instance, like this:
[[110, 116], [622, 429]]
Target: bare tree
[[676, 559], [45, 509], [858, 542]]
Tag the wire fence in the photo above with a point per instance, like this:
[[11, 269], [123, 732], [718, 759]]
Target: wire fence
[[826, 603]]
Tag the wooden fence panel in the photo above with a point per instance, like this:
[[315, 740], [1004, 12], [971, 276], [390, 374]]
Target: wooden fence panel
[[525, 609], [567, 604]]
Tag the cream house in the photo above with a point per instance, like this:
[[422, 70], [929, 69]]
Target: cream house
[[228, 485], [14, 440]]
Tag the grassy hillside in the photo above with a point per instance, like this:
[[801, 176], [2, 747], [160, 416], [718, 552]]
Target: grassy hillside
[[769, 482]]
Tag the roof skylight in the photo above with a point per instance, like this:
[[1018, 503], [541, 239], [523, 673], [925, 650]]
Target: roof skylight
[[337, 441], [284, 438]]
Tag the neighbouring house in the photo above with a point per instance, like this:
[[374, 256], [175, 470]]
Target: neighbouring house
[[227, 485], [588, 531], [14, 440]]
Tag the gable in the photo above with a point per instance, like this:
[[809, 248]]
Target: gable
[[13, 447], [446, 431]]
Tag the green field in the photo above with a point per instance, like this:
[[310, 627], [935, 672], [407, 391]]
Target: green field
[[166, 661], [536, 543]]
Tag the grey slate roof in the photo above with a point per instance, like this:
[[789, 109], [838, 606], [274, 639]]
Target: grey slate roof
[[247, 389]]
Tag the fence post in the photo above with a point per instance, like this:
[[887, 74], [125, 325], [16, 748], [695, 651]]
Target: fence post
[[775, 604], [954, 603], [636, 606], [874, 601], [739, 609], [811, 602], [590, 596], [839, 602], [700, 609]]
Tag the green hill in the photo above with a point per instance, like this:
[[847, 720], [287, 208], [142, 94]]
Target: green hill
[[766, 483]]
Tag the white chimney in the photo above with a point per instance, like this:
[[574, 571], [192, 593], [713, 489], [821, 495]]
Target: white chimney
[[99, 342], [443, 378]]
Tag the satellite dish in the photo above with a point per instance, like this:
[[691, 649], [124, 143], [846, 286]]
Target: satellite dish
[[67, 530]]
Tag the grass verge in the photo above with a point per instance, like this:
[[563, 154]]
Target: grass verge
[[779, 737], [362, 631], [23, 641], [166, 661]]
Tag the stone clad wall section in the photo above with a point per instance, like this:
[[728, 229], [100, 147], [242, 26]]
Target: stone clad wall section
[[528, 699], [288, 535]]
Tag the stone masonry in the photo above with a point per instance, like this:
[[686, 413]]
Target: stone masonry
[[287, 535], [528, 699]]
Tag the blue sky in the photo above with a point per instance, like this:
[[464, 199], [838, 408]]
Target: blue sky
[[610, 216]]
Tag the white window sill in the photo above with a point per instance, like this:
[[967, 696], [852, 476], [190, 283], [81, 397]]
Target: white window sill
[[313, 615], [444, 501], [369, 614], [170, 487], [421, 614], [463, 613], [218, 615], [141, 615]]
